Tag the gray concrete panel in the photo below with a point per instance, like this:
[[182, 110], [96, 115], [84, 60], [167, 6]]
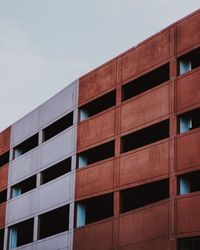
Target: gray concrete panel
[[25, 127], [54, 193], [58, 105], [24, 166], [59, 241], [21, 207], [57, 147]]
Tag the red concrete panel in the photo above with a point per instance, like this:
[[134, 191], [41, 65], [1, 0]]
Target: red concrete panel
[[96, 129], [146, 55], [145, 164], [188, 32], [188, 90], [98, 237], [144, 225], [188, 148], [95, 179], [146, 108], [188, 214], [3, 177], [5, 140], [157, 244], [97, 82], [2, 214]]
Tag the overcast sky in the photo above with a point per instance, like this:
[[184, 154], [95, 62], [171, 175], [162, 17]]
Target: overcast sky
[[46, 44]]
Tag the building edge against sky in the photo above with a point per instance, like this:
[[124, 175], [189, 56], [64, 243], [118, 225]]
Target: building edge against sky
[[112, 161]]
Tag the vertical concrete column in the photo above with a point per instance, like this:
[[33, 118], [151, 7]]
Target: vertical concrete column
[[40, 137], [6, 238], [71, 216], [11, 156], [73, 167], [75, 116], [173, 131], [35, 228], [116, 219], [9, 193], [38, 179]]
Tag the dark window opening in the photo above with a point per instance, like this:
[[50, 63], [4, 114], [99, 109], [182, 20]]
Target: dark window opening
[[145, 136], [188, 244], [143, 195], [26, 146], [56, 171], [54, 222], [23, 186], [4, 159], [3, 196], [98, 105], [94, 209], [21, 233], [1, 238], [145, 82], [58, 126], [189, 120], [96, 154], [189, 61], [188, 183]]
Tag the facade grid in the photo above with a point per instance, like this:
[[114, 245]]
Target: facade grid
[[112, 161]]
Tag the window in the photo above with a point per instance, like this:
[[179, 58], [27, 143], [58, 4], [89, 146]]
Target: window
[[188, 183], [145, 136], [4, 159], [54, 222], [26, 146], [189, 61], [98, 105], [189, 244], [23, 186], [143, 195], [145, 82], [58, 126], [94, 209], [56, 170], [1, 238], [96, 154], [189, 120], [21, 234], [3, 196]]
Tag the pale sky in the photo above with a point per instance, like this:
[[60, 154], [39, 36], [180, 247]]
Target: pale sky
[[46, 44]]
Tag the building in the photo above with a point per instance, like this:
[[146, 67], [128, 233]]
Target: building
[[113, 160]]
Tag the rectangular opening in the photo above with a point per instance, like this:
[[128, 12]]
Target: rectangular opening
[[189, 61], [143, 195], [145, 82], [3, 196], [188, 243], [4, 158], [189, 120], [188, 183], [23, 186], [58, 126], [94, 209], [96, 154], [98, 105], [54, 222], [145, 136], [26, 146], [1, 238], [21, 233], [56, 171]]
